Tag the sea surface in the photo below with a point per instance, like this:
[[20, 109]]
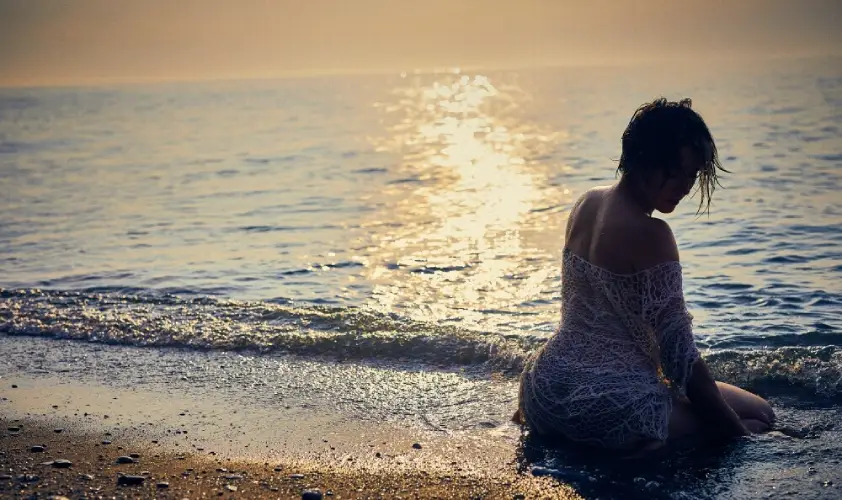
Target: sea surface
[[401, 235]]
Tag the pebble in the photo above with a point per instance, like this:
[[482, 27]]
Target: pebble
[[134, 455], [130, 480], [296, 476], [233, 477], [37, 449], [57, 497], [28, 478], [125, 460], [14, 386], [827, 483], [417, 446], [106, 442], [518, 496], [311, 495], [62, 463], [86, 477], [230, 487], [58, 431], [377, 454], [329, 493], [162, 485], [14, 429]]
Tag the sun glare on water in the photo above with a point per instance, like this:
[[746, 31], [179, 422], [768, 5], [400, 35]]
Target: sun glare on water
[[464, 199]]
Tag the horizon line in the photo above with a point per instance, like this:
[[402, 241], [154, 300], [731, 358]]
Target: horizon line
[[88, 82]]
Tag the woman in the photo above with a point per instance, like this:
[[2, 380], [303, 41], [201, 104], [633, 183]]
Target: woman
[[622, 371]]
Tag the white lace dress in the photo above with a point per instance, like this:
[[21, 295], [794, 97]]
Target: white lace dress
[[623, 350]]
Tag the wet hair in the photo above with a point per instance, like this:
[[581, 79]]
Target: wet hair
[[656, 135]]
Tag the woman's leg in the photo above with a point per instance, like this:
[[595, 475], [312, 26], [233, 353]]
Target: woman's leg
[[755, 412], [757, 415]]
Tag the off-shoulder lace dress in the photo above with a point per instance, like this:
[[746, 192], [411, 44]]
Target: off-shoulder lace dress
[[623, 351]]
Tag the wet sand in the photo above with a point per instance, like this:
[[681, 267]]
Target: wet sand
[[187, 448]]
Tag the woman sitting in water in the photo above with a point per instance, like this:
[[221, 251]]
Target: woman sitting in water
[[623, 371]]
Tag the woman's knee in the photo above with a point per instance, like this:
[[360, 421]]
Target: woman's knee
[[756, 426], [747, 405]]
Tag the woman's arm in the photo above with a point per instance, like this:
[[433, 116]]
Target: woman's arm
[[709, 404], [680, 359]]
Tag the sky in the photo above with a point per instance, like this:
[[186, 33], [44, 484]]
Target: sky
[[82, 41]]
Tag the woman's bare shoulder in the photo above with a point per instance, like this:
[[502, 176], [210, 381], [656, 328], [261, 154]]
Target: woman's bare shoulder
[[612, 235], [653, 243]]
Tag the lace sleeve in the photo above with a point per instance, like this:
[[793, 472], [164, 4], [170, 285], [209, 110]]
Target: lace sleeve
[[673, 325]]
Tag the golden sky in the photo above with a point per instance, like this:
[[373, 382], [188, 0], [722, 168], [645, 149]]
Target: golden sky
[[67, 41]]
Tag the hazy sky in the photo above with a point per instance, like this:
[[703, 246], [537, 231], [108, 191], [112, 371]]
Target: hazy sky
[[66, 41]]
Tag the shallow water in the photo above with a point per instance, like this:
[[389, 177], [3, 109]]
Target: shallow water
[[418, 218]]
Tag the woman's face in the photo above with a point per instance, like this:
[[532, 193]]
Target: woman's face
[[668, 187]]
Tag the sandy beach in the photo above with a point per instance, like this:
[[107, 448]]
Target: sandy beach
[[67, 439]]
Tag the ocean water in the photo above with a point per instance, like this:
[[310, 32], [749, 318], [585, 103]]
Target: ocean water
[[393, 222]]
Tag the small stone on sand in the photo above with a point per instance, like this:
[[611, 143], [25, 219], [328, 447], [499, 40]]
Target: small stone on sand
[[86, 477], [134, 455], [417, 446], [130, 480], [311, 495], [106, 442], [162, 485], [61, 463], [125, 460], [37, 449], [296, 476], [58, 431], [230, 487]]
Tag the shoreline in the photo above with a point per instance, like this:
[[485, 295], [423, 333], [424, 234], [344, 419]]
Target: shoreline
[[348, 427], [163, 472], [202, 447]]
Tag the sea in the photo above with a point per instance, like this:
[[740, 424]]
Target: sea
[[396, 238]]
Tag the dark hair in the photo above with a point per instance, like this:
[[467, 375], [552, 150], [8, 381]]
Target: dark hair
[[655, 137]]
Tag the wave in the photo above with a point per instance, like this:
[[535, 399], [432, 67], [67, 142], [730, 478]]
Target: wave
[[138, 317]]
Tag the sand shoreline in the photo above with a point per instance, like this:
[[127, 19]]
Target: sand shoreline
[[166, 473], [182, 443]]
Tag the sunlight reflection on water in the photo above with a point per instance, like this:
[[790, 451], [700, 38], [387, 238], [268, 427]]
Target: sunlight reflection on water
[[466, 152]]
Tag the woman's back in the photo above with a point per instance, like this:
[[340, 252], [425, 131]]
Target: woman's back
[[607, 232]]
